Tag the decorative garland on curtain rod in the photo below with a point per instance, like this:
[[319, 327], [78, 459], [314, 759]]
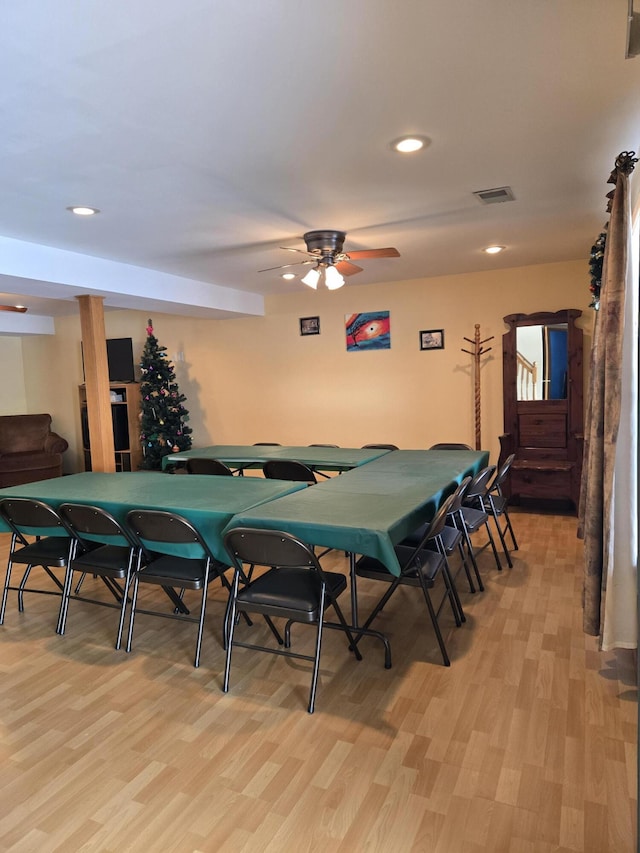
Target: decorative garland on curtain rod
[[625, 162]]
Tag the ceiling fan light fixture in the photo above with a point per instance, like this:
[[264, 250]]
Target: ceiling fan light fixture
[[494, 250], [332, 278], [410, 144], [312, 278]]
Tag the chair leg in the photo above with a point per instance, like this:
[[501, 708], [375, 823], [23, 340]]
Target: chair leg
[[132, 612], [463, 557], [436, 627], [510, 529], [196, 661], [64, 603], [470, 552], [123, 608], [21, 586], [452, 594], [492, 509], [231, 624], [5, 591], [316, 662], [493, 546]]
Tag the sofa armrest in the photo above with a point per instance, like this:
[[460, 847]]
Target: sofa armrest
[[54, 443]]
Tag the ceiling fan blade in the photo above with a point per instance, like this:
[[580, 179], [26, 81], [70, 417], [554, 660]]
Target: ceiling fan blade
[[347, 268], [283, 266], [375, 253], [289, 249]]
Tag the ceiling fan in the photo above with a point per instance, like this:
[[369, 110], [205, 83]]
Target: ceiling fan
[[19, 308], [325, 251]]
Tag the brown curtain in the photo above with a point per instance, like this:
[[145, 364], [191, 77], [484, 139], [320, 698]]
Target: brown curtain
[[603, 399]]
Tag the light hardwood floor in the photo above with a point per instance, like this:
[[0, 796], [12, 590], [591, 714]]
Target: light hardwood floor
[[526, 744]]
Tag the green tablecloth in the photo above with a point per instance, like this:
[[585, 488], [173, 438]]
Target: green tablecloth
[[208, 502], [372, 508], [247, 456]]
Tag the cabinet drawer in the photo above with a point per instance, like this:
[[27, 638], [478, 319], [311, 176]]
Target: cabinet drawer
[[543, 430], [549, 483]]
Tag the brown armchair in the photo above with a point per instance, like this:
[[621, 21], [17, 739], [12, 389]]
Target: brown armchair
[[29, 450]]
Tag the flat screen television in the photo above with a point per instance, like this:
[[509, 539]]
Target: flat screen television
[[119, 360]]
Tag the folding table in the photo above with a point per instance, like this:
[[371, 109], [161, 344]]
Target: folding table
[[371, 508], [242, 456], [208, 502]]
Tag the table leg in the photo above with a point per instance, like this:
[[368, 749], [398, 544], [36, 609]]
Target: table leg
[[355, 626]]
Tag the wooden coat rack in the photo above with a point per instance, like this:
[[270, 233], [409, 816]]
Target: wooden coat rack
[[478, 351]]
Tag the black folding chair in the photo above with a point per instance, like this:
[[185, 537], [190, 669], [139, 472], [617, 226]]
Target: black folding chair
[[450, 446], [380, 447], [288, 469], [172, 554], [472, 515], [420, 567], [38, 538], [203, 465], [452, 537], [102, 547], [295, 587], [496, 503]]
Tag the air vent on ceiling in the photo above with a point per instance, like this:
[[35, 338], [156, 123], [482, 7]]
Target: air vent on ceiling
[[495, 195]]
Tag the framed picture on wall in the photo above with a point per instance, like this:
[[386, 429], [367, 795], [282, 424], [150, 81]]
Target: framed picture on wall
[[432, 339], [368, 330], [309, 325]]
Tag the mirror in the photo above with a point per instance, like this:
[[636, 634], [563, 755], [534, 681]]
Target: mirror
[[542, 360]]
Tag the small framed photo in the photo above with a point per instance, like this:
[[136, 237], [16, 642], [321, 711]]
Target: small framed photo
[[432, 339], [309, 325]]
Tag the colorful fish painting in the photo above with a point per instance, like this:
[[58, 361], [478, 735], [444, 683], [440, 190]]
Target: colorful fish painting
[[369, 330]]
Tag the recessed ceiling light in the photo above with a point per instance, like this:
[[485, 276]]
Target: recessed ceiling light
[[288, 275], [83, 211], [409, 144], [493, 250]]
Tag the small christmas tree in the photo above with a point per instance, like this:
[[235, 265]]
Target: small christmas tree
[[162, 416]]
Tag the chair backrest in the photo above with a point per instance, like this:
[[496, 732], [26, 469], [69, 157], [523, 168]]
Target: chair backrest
[[478, 486], [502, 473], [288, 469], [26, 516], [450, 446], [273, 548], [408, 553], [94, 524], [203, 465], [459, 495], [324, 445], [439, 519], [267, 444], [166, 532], [380, 446]]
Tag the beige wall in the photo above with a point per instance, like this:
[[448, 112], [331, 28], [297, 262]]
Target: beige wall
[[257, 379], [12, 396]]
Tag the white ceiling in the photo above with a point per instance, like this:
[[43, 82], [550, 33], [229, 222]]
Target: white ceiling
[[211, 133]]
